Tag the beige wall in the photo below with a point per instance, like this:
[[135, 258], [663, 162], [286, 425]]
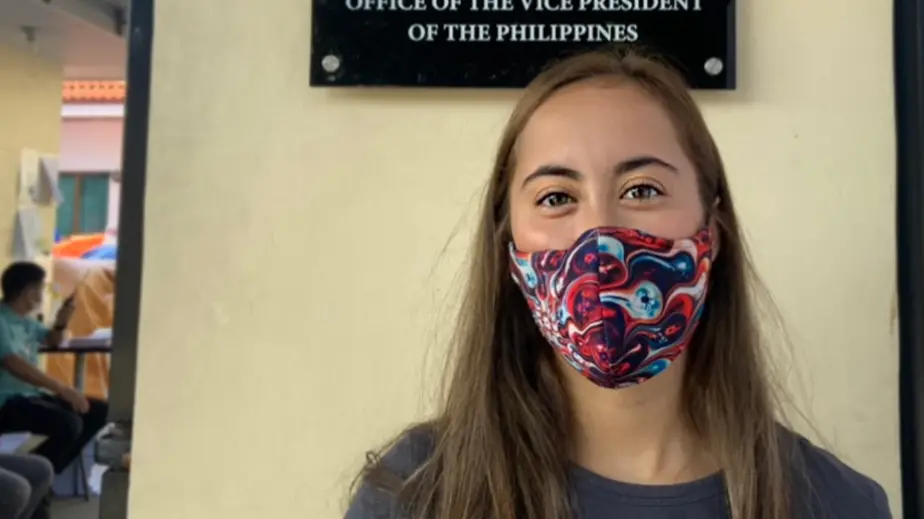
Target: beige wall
[[30, 117], [295, 276]]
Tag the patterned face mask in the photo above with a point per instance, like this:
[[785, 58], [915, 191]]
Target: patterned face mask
[[619, 305]]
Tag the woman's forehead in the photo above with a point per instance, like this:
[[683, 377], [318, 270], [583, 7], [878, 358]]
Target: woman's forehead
[[607, 120]]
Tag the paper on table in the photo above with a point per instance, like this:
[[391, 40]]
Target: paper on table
[[102, 333], [27, 236], [46, 191]]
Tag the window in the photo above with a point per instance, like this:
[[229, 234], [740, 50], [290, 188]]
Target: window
[[85, 205]]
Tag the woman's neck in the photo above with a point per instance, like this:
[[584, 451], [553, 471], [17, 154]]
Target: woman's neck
[[638, 434]]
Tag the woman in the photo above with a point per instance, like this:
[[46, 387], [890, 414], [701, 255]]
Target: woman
[[25, 481], [608, 356]]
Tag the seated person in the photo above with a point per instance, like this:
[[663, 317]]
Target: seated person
[[30, 400], [25, 480]]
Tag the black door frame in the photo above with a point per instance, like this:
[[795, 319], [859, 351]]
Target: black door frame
[[114, 501], [908, 46], [908, 25], [131, 212]]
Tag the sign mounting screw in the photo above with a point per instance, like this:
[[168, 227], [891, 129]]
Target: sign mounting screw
[[330, 63], [714, 66]]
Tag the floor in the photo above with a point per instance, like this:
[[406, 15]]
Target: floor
[[75, 508], [78, 507]]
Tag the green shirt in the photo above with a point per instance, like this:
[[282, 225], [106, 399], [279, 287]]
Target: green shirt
[[20, 336]]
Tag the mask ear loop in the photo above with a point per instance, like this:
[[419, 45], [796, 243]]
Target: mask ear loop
[[714, 209], [714, 224], [712, 217]]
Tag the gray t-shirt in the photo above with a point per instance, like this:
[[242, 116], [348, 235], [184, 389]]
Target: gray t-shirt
[[837, 491]]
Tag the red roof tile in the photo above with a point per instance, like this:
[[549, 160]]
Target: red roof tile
[[94, 92]]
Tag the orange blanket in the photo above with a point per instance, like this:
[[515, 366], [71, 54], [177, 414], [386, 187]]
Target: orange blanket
[[94, 291]]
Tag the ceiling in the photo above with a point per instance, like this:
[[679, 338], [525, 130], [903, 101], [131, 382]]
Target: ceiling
[[83, 35]]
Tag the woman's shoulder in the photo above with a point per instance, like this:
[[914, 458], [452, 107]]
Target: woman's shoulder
[[412, 449], [376, 496], [834, 489]]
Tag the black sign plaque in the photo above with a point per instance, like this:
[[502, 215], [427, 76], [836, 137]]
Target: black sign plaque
[[505, 43]]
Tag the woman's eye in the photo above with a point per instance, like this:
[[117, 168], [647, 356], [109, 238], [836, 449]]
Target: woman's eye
[[641, 192], [555, 199]]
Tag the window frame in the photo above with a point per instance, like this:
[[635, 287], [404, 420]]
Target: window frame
[[79, 179]]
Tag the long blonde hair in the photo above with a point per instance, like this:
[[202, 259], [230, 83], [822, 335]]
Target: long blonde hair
[[500, 439]]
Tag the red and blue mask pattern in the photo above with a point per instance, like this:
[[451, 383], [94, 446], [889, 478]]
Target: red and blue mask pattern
[[619, 305]]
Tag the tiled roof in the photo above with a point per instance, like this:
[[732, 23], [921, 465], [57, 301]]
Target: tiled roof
[[94, 92]]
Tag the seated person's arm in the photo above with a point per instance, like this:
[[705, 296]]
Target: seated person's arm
[[21, 368], [25, 371], [55, 336]]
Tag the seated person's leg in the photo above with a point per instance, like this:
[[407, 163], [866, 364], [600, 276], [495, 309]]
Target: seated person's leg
[[25, 481], [14, 494], [92, 422], [49, 416], [95, 419]]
